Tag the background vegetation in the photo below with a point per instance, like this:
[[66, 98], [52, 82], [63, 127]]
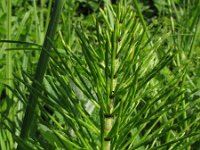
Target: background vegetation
[[118, 74]]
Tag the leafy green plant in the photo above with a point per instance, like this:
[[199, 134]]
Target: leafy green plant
[[113, 86]]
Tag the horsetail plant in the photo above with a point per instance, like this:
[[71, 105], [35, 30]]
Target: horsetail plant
[[109, 89], [114, 76]]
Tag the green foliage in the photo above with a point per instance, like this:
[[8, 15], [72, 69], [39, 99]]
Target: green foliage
[[117, 78]]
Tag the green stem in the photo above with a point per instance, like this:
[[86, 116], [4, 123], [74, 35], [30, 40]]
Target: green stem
[[42, 5], [37, 23], [9, 53], [9, 68], [40, 71], [111, 83]]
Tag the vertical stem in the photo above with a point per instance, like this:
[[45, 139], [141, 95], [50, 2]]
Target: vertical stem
[[40, 71], [111, 83], [37, 24], [9, 67], [107, 128], [48, 15], [9, 53], [42, 2]]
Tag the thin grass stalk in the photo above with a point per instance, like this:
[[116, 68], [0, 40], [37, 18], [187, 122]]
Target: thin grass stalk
[[9, 53], [9, 68], [40, 71], [37, 23], [48, 16], [42, 5]]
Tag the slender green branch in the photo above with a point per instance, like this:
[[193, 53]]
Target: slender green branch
[[9, 53], [9, 65]]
